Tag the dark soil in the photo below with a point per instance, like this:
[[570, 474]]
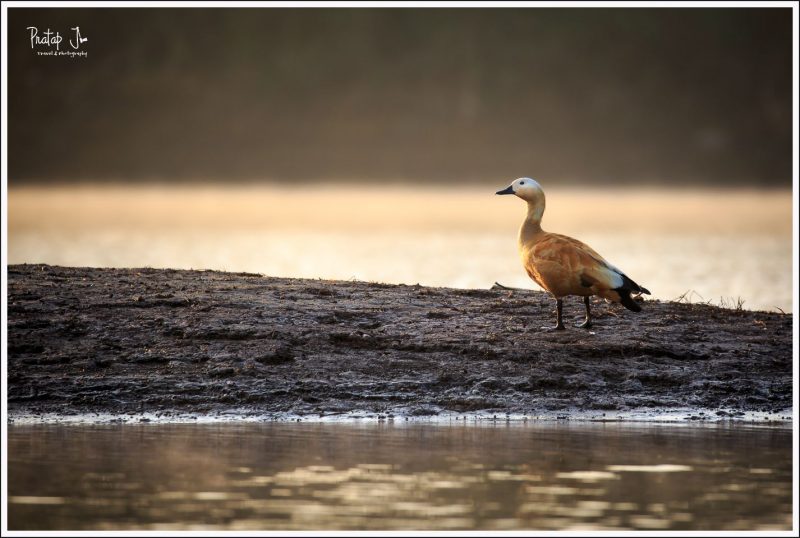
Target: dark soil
[[144, 340]]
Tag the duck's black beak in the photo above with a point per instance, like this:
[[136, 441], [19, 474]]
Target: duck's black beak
[[507, 190]]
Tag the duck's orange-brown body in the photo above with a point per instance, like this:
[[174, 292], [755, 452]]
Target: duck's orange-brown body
[[565, 266]]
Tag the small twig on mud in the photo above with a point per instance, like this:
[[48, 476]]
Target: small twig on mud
[[736, 304], [498, 286], [686, 297]]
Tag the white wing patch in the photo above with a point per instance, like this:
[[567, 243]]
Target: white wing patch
[[614, 277]]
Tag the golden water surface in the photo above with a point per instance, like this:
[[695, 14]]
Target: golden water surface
[[712, 245]]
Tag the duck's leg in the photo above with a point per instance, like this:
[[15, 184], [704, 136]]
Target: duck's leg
[[559, 309], [587, 323], [559, 325]]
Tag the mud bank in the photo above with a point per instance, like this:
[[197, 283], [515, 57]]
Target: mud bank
[[161, 343]]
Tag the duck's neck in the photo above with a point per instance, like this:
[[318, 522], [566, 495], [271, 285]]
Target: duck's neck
[[532, 226]]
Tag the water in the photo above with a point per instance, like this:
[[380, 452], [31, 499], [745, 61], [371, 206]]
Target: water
[[286, 476], [718, 246]]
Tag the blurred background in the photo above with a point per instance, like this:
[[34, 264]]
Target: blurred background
[[368, 143]]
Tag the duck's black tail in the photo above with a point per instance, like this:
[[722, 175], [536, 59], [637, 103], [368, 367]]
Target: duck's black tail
[[627, 301], [624, 291]]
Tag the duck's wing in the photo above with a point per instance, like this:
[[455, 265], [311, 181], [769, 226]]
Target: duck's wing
[[578, 257]]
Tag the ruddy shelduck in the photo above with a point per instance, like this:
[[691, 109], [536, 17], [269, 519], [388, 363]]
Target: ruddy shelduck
[[563, 265]]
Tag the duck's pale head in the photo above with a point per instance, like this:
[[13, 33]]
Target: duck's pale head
[[526, 188]]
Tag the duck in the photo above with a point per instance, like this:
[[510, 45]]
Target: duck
[[564, 266]]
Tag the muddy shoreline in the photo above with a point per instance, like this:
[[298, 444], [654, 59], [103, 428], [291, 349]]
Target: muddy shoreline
[[155, 344]]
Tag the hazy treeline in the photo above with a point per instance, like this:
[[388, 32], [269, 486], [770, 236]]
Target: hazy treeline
[[688, 95]]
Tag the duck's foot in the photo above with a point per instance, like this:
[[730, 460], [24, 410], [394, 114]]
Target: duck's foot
[[559, 327], [587, 324]]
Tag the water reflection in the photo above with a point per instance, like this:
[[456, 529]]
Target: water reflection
[[399, 476]]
